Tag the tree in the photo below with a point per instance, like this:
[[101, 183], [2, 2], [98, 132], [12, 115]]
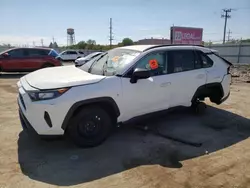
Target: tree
[[127, 42], [55, 45], [81, 45], [50, 45], [245, 41]]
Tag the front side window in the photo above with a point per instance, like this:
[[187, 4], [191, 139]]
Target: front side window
[[181, 60], [17, 53], [155, 62]]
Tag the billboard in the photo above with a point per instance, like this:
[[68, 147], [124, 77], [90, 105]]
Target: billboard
[[186, 35]]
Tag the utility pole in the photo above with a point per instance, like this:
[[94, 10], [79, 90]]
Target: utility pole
[[110, 33], [226, 16], [228, 35], [53, 39], [42, 42]]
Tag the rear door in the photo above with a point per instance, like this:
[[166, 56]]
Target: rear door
[[35, 58], [186, 75], [73, 55]]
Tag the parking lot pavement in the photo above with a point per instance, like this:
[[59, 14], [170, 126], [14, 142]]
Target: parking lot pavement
[[132, 157]]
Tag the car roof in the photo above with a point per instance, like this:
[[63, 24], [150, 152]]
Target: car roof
[[39, 48], [170, 46], [140, 48]]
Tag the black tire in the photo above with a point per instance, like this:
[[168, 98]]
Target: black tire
[[60, 59], [90, 127], [199, 108]]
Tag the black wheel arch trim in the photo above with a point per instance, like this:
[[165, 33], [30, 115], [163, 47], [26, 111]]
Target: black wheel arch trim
[[88, 102], [205, 86]]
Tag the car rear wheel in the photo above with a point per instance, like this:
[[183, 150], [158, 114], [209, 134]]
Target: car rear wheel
[[90, 127]]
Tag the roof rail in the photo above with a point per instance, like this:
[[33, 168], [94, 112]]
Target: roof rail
[[164, 45]]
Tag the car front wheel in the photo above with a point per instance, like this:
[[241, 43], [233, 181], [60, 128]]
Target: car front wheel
[[90, 127]]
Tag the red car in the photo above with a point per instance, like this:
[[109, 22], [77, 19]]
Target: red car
[[27, 59]]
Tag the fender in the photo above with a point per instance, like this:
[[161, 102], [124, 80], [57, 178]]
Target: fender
[[75, 106], [204, 89]]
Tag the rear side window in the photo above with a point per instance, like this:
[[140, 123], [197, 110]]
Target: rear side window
[[205, 60], [181, 60], [38, 52], [80, 52], [72, 52]]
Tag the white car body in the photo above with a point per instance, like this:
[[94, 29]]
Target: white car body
[[83, 60], [70, 55], [146, 96]]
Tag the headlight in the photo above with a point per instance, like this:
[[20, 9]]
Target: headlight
[[45, 95]]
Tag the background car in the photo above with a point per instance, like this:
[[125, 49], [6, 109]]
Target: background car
[[70, 55], [27, 59], [80, 61]]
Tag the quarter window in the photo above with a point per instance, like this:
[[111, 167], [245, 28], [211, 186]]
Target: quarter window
[[205, 60]]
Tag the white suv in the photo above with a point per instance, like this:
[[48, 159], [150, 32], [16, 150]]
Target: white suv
[[70, 55], [122, 84]]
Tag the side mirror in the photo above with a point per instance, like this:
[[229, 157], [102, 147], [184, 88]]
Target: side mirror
[[139, 74], [5, 55]]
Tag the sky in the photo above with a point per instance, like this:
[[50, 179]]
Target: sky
[[29, 21]]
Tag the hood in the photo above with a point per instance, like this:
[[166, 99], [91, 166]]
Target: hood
[[60, 77]]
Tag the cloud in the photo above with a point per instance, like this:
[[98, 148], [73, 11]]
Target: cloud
[[29, 40]]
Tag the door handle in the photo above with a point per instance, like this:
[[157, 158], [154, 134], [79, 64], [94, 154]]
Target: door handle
[[165, 84]]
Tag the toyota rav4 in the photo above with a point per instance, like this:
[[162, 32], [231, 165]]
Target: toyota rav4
[[123, 84]]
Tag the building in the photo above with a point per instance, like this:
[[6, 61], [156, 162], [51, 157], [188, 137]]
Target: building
[[153, 41]]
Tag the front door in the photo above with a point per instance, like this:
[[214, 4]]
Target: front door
[[147, 95], [15, 60]]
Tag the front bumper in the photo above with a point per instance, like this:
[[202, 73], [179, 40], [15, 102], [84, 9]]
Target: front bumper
[[40, 117], [26, 124]]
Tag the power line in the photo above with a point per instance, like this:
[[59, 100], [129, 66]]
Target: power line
[[226, 16], [111, 38]]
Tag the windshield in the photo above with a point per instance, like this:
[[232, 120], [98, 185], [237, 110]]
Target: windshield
[[112, 62]]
